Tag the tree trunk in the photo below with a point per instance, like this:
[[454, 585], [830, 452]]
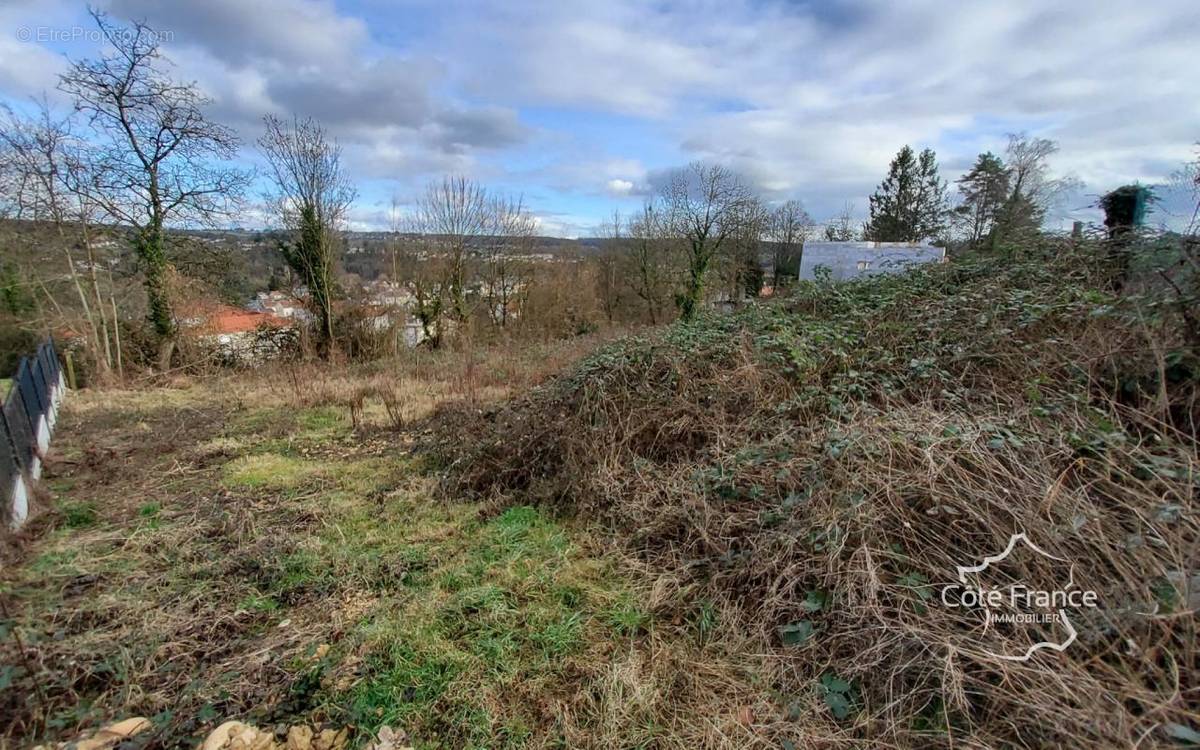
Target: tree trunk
[[83, 302], [166, 348], [690, 301], [91, 256], [116, 330], [152, 253]]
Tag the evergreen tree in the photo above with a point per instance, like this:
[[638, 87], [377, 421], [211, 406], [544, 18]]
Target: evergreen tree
[[910, 204], [984, 191], [1020, 217], [932, 205]]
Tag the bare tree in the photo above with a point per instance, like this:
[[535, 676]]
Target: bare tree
[[1184, 276], [1188, 179], [159, 156], [1027, 160], [788, 228], [453, 216], [505, 274], [10, 183], [650, 271], [421, 271], [396, 220], [705, 206], [607, 263], [745, 251], [310, 194], [841, 227], [51, 175], [1032, 192]]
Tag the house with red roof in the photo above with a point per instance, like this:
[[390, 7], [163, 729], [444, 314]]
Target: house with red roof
[[237, 335]]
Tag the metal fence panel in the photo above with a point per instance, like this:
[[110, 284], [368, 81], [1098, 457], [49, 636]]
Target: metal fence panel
[[9, 468], [26, 419], [38, 371], [20, 428], [43, 358], [24, 384], [52, 356]]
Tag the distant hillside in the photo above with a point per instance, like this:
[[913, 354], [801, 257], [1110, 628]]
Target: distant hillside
[[236, 263]]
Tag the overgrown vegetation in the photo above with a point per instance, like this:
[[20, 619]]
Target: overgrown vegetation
[[815, 470]]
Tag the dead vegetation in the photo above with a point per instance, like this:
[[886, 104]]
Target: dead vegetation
[[805, 478]]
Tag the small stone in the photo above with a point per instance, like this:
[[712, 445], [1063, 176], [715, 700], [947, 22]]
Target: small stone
[[128, 727], [112, 734], [325, 740], [220, 737], [390, 739], [299, 738]]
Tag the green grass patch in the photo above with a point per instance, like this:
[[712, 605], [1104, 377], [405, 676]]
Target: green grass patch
[[486, 606], [321, 419], [626, 617], [78, 515], [270, 471], [299, 575], [258, 602], [55, 562], [453, 618], [263, 421]]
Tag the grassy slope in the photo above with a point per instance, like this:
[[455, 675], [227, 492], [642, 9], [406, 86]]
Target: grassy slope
[[208, 540]]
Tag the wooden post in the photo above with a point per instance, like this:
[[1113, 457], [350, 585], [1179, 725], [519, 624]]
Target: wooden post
[[70, 369], [117, 334]]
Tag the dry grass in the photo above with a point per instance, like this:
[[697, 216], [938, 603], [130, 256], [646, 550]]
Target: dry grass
[[198, 542], [815, 472]]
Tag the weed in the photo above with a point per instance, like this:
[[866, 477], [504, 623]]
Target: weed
[[78, 515], [626, 617]]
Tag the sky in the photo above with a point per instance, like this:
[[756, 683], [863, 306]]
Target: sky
[[581, 108]]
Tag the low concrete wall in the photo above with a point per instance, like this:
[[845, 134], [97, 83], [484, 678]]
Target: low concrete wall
[[848, 260]]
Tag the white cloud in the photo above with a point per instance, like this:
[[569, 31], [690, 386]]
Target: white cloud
[[26, 67], [585, 102], [302, 57], [619, 187], [814, 99], [304, 34]]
